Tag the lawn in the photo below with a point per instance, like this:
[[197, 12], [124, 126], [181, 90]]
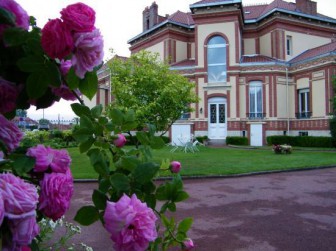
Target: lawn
[[221, 161]]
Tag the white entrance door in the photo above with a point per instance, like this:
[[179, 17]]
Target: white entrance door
[[256, 135], [217, 118]]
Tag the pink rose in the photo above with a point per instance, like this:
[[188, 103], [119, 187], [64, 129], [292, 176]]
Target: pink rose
[[8, 93], [89, 52], [20, 198], [58, 160], [56, 193], [23, 230], [120, 141], [56, 39], [188, 244], [175, 167], [79, 17], [2, 209], [131, 223], [10, 134], [65, 66], [61, 161], [21, 16], [65, 93]]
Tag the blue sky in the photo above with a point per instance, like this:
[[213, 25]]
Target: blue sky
[[119, 21]]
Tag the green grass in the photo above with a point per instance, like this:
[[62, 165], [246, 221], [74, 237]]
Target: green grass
[[221, 161]]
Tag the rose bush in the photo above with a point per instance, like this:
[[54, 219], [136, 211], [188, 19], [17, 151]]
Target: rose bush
[[39, 67]]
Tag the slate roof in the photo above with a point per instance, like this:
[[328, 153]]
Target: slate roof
[[257, 59], [181, 17], [315, 52], [211, 1], [185, 63]]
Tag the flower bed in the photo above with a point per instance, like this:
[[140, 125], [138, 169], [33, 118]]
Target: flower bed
[[282, 149]]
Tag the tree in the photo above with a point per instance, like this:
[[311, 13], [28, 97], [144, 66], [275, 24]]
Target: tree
[[157, 95]]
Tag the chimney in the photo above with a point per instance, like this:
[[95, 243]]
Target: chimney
[[150, 16], [307, 6]]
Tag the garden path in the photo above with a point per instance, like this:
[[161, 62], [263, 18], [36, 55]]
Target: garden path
[[271, 212]]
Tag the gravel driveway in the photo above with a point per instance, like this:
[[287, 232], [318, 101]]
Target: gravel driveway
[[281, 211]]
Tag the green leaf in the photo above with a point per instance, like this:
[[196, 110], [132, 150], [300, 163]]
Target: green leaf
[[72, 79], [150, 200], [37, 84], [7, 17], [129, 162], [157, 142], [23, 165], [82, 134], [87, 215], [80, 110], [181, 196], [54, 74], [104, 185], [15, 36], [99, 162], [145, 172], [86, 122], [143, 138], [89, 85], [31, 63], [172, 207], [117, 116], [97, 111], [161, 193], [86, 145], [120, 182], [185, 225], [99, 199]]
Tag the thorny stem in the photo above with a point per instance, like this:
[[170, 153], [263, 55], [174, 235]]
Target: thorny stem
[[170, 232]]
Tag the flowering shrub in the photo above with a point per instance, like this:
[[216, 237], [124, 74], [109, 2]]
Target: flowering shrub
[[39, 67], [282, 149]]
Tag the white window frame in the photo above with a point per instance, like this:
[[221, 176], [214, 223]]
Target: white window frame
[[255, 103], [306, 93], [210, 65]]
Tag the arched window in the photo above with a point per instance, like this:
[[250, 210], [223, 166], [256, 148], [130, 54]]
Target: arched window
[[256, 100], [217, 60]]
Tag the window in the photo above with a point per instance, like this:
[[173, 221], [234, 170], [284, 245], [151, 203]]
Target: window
[[302, 133], [256, 100], [217, 60], [289, 45], [304, 106]]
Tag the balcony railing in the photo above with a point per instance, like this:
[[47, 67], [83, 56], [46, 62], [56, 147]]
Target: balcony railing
[[303, 115], [256, 115]]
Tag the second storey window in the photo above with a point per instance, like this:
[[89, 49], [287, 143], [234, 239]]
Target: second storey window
[[304, 104], [256, 100], [216, 60]]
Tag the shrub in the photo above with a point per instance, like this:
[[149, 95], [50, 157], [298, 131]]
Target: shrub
[[56, 134], [304, 141], [166, 139], [332, 124], [236, 140], [202, 139]]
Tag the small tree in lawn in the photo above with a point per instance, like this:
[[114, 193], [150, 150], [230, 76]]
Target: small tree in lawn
[[147, 86]]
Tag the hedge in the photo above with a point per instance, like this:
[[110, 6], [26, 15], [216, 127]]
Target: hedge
[[239, 141], [332, 124], [304, 141]]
